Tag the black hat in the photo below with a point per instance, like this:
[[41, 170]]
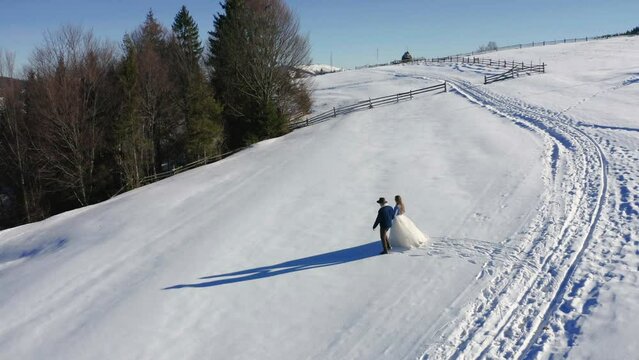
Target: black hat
[[381, 201]]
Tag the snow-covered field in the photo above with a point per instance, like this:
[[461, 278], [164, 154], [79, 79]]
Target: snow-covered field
[[528, 189], [321, 69]]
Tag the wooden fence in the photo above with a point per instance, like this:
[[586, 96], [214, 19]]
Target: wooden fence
[[515, 71], [516, 68], [468, 55], [299, 123], [364, 104], [206, 160], [473, 60], [532, 44]]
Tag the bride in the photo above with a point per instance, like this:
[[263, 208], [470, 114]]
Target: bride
[[404, 233]]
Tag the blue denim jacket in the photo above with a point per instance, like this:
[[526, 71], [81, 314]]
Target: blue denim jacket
[[385, 217]]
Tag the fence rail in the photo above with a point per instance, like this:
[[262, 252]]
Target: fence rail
[[533, 44], [468, 55], [516, 68], [515, 71], [364, 104], [296, 124], [197, 163], [473, 60]]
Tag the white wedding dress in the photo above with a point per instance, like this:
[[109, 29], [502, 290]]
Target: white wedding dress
[[404, 234]]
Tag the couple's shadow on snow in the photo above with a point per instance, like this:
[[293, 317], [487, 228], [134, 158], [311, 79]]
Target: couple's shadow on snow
[[313, 262]]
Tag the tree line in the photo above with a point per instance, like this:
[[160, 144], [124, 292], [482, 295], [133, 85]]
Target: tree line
[[491, 46], [91, 118]]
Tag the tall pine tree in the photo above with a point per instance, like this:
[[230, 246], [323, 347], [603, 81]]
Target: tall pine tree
[[200, 112], [188, 36], [254, 50]]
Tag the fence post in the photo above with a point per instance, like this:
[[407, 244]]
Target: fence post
[[411, 94], [543, 67], [306, 121], [370, 104], [445, 86], [397, 100], [334, 112]]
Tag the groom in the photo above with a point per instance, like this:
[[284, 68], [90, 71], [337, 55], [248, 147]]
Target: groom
[[384, 219]]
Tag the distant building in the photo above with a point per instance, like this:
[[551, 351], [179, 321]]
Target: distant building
[[407, 57]]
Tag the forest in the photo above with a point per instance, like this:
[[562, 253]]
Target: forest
[[86, 118]]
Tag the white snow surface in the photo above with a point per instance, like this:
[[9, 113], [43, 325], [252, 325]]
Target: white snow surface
[[527, 188], [321, 68]]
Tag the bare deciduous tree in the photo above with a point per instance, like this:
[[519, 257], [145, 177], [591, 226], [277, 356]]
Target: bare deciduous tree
[[69, 102], [133, 146], [17, 162], [154, 86], [491, 46]]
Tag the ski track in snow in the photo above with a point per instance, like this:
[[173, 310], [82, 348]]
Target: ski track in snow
[[634, 79], [529, 305]]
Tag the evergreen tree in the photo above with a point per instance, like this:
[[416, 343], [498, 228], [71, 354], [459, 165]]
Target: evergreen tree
[[152, 33], [221, 48], [634, 31], [219, 64], [204, 126], [253, 49], [188, 36], [200, 112]]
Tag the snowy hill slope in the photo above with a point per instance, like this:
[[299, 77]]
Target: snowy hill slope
[[319, 69], [293, 216], [577, 291], [531, 208]]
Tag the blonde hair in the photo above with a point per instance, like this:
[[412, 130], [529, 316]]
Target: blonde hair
[[400, 203]]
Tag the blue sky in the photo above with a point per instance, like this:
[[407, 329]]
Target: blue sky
[[353, 31]]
